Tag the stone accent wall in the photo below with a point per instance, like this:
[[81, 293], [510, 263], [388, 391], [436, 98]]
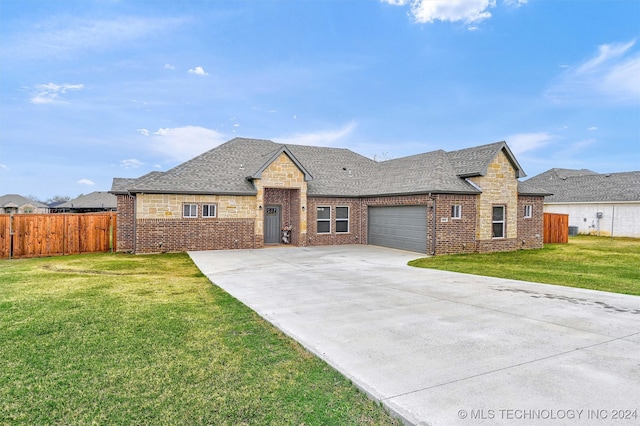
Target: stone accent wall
[[169, 206], [499, 187], [126, 222], [530, 230], [179, 235], [282, 173]]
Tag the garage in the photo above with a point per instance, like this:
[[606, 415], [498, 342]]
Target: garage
[[401, 227]]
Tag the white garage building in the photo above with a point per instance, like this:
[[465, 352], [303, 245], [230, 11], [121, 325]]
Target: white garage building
[[597, 204]]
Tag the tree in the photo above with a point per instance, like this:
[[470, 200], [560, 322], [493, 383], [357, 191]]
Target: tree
[[58, 199]]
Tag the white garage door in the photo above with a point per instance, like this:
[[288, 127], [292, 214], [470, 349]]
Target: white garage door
[[401, 227]]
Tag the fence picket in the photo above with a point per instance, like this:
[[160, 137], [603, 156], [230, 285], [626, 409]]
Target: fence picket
[[34, 235]]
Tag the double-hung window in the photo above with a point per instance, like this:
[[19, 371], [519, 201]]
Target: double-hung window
[[456, 211], [208, 210], [189, 210], [342, 220], [527, 211], [498, 222], [323, 220]]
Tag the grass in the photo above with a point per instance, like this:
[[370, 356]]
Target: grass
[[597, 263], [122, 339]]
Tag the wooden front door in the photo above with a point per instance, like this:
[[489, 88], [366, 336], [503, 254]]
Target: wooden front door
[[272, 224]]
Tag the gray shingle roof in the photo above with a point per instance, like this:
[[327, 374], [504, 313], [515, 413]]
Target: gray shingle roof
[[94, 200], [230, 167], [573, 186], [15, 200], [474, 161]]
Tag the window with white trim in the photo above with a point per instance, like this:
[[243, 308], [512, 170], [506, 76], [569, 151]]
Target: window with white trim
[[323, 220], [456, 211], [527, 210], [208, 210], [190, 210], [498, 222], [342, 220]]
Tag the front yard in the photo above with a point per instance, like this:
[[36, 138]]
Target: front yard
[[597, 263], [121, 339]]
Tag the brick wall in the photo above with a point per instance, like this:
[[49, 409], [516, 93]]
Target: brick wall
[[357, 231], [530, 230], [455, 235], [178, 235], [126, 220]]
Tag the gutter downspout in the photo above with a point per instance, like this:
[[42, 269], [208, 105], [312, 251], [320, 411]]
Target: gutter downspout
[[135, 220], [433, 232]]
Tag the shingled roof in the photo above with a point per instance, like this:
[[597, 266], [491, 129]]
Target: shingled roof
[[231, 167], [574, 186]]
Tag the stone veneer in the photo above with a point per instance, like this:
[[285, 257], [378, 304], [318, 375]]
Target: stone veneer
[[499, 187], [282, 173]]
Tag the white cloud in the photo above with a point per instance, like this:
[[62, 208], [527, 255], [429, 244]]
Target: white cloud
[[515, 3], [4, 167], [428, 11], [131, 163], [322, 138], [86, 182], [62, 35], [169, 67], [183, 143], [143, 132], [612, 74], [198, 71], [592, 129], [50, 93], [523, 142]]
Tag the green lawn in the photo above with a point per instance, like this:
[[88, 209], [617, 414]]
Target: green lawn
[[122, 339], [598, 263]]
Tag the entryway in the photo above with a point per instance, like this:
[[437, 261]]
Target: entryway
[[272, 224]]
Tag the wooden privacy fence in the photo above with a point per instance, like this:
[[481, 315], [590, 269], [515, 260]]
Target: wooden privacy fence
[[556, 228], [33, 235]]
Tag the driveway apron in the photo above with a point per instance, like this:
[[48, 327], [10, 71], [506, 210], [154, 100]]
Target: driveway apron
[[443, 348]]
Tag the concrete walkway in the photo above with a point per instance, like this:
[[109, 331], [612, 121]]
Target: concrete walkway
[[442, 348]]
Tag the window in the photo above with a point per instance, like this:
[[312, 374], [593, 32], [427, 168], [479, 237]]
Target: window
[[208, 210], [189, 210], [323, 218], [342, 219], [456, 211], [527, 210], [498, 222]]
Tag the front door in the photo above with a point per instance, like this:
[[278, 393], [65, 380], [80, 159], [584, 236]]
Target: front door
[[272, 227]]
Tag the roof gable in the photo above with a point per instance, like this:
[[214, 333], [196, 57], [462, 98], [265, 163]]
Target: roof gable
[[282, 150], [475, 161]]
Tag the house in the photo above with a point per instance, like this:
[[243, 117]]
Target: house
[[246, 192], [97, 201], [14, 203], [597, 204]]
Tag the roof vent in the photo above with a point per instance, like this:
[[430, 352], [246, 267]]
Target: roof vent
[[241, 166], [607, 175]]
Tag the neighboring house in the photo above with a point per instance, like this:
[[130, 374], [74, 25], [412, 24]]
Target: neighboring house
[[14, 203], [98, 201], [246, 192], [598, 204]]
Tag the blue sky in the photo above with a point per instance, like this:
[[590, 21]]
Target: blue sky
[[91, 90]]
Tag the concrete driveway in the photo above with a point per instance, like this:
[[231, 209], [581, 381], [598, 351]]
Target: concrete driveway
[[442, 348]]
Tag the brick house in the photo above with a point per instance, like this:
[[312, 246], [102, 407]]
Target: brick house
[[245, 192]]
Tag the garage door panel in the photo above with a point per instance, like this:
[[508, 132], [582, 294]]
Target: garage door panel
[[402, 227]]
